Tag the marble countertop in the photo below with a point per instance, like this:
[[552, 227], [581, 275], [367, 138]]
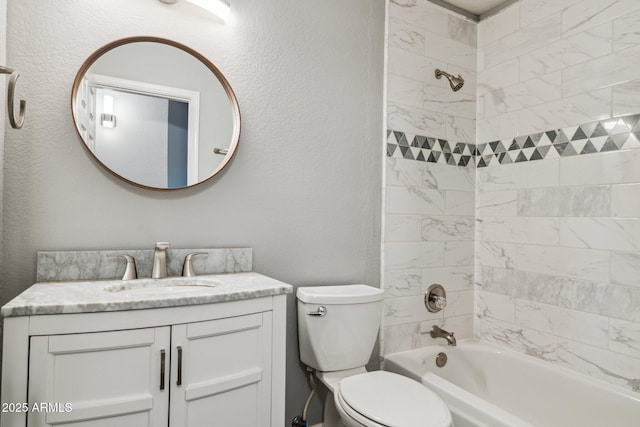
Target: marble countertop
[[117, 295]]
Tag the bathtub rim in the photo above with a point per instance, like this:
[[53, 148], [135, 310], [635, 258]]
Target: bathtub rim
[[510, 353]]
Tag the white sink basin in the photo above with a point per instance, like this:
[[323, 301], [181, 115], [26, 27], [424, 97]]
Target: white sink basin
[[163, 286]]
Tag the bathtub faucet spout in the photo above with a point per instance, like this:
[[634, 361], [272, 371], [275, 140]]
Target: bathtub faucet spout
[[437, 332]]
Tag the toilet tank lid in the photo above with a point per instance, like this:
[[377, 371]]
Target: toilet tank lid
[[344, 294]]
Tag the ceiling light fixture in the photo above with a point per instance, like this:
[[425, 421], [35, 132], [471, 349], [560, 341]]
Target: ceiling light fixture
[[219, 8]]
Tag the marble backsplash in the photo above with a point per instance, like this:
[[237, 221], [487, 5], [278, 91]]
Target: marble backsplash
[[55, 266]]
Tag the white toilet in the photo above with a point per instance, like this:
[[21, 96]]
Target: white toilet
[[337, 329]]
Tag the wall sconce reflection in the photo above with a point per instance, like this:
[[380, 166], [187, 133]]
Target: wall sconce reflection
[[219, 8], [107, 118]]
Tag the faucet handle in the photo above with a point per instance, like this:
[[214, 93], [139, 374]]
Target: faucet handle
[[435, 299], [162, 245], [187, 268], [130, 271], [440, 302]]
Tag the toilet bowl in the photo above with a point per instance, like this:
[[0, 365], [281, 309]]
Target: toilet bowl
[[337, 329], [385, 399]]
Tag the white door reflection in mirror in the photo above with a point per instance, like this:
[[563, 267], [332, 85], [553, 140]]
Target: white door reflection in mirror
[[146, 133]]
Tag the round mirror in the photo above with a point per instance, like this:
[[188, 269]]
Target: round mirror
[[155, 113]]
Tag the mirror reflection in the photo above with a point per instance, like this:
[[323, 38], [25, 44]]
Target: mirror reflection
[[155, 113]]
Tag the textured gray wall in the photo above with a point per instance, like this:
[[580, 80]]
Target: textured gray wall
[[303, 189], [3, 121]]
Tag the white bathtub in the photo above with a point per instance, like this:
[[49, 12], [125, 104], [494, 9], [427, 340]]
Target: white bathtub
[[485, 386]]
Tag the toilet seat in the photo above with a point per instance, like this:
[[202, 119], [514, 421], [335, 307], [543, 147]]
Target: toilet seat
[[385, 399]]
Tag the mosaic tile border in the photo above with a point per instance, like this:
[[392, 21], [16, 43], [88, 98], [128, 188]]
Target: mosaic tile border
[[615, 134], [428, 149]]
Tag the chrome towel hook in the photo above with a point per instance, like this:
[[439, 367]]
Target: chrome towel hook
[[16, 124]]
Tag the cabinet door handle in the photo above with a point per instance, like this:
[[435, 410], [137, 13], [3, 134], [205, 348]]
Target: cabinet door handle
[[179, 380], [163, 358]]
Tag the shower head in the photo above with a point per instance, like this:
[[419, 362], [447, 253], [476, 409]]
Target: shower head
[[455, 82]]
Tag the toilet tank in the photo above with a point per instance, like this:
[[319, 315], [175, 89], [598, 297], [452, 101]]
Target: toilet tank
[[345, 334]]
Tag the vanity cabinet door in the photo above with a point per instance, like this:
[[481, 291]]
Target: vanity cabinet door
[[100, 379], [221, 372]]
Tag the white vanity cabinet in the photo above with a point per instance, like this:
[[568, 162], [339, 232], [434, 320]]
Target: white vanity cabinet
[[225, 388], [220, 364], [110, 377]]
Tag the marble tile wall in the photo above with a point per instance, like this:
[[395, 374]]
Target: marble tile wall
[[429, 203], [558, 239], [546, 64]]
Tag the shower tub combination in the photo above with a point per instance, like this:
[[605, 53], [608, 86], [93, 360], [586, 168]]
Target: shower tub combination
[[485, 386]]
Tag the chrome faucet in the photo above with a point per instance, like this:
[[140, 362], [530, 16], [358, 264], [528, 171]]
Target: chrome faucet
[[159, 270], [437, 332]]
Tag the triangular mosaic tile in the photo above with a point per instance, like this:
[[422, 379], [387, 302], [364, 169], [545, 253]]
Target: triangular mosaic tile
[[543, 150], [619, 128], [599, 142], [578, 146], [448, 158], [609, 145], [535, 137], [569, 151], [588, 128], [570, 131], [578, 135], [631, 142], [599, 130], [521, 140], [398, 136], [560, 138], [521, 157], [406, 152], [497, 147], [632, 121], [619, 133], [620, 139], [588, 148], [536, 155], [544, 140], [561, 147], [552, 152], [528, 152], [551, 134], [608, 125], [505, 158]]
